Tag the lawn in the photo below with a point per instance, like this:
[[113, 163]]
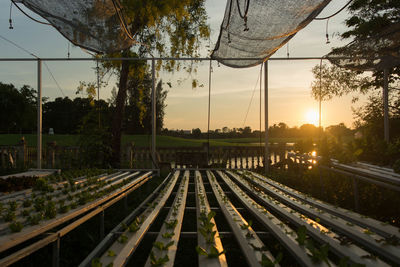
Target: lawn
[[139, 140]]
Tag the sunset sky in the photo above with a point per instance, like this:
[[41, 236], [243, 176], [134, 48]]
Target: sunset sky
[[289, 81]]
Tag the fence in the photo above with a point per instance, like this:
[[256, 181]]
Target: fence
[[64, 157]]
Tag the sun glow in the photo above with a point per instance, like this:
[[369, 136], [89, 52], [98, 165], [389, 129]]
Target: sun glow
[[312, 117]]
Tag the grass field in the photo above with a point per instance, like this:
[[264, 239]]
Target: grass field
[[139, 140]]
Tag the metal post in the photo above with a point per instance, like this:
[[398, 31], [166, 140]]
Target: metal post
[[386, 104], [266, 156], [56, 252], [102, 225], [153, 113], [39, 114]]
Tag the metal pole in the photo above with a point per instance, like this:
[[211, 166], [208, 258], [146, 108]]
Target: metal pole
[[153, 113], [386, 104], [39, 114], [56, 252], [266, 156]]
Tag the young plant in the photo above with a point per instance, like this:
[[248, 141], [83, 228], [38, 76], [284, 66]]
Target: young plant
[[50, 210], [266, 262], [158, 262], [171, 224], [13, 205], [123, 239], [168, 235], [213, 253], [16, 227], [160, 246], [9, 216], [27, 203]]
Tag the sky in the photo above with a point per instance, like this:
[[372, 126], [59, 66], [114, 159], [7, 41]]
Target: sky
[[289, 88]]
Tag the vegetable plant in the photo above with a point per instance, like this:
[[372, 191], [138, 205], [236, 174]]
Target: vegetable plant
[[213, 253], [158, 262], [16, 227]]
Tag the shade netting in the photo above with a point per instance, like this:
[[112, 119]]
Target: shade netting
[[258, 28], [91, 24]]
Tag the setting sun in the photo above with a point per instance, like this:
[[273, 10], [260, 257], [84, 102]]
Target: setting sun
[[312, 117]]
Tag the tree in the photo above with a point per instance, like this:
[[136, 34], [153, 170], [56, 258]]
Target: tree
[[17, 109], [181, 24]]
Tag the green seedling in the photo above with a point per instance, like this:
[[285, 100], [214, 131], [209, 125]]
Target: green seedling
[[50, 210], [39, 204], [171, 224], [266, 262], [27, 203], [13, 205], [160, 246], [246, 226], [158, 262], [111, 253], [9, 216], [25, 213], [168, 235], [96, 262], [301, 235], [16, 227], [35, 219], [213, 253], [123, 239]]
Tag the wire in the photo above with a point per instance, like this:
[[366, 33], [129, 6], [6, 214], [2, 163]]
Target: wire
[[209, 109], [47, 67], [20, 47], [334, 14], [54, 79], [20, 9], [247, 3], [251, 100], [10, 19]]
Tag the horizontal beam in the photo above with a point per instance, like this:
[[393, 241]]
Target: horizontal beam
[[162, 58]]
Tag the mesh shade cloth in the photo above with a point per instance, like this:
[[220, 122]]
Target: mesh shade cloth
[[377, 53], [271, 23], [91, 24]]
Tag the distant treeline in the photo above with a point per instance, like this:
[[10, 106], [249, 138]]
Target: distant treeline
[[280, 130]]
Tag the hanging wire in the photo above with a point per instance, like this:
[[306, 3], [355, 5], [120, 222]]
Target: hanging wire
[[334, 14], [287, 49], [260, 75], [244, 15], [20, 9], [10, 19], [68, 54], [54, 79], [326, 34], [18, 46], [209, 109], [251, 99]]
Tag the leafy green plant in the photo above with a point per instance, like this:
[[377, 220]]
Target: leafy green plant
[[13, 205], [111, 253], [35, 218], [266, 262], [16, 227], [301, 235], [50, 210], [246, 226], [213, 253], [27, 203], [39, 204], [9, 216], [158, 262], [123, 239], [168, 235], [171, 224], [161, 246]]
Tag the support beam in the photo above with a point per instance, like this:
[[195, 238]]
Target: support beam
[[386, 104], [266, 156], [153, 113], [39, 114]]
